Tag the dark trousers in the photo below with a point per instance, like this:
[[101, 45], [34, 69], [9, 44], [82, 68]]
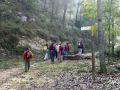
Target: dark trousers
[[52, 57], [27, 65]]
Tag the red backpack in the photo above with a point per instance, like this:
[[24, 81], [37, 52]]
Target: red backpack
[[27, 55]]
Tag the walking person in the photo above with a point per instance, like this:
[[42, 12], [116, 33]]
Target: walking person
[[61, 52], [46, 52], [80, 47], [27, 56], [52, 52], [56, 52], [67, 49]]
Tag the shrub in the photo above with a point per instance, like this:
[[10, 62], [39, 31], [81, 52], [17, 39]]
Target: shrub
[[117, 51], [8, 40], [19, 49]]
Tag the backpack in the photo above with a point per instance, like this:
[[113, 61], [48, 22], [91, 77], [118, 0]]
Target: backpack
[[27, 54]]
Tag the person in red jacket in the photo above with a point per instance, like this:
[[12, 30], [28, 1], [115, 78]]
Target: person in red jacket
[[27, 57], [67, 49]]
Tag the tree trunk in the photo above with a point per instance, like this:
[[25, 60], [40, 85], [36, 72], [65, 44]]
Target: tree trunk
[[113, 39], [93, 59], [109, 28], [45, 3], [77, 13], [101, 38], [52, 9], [57, 6], [109, 53], [113, 45], [64, 15]]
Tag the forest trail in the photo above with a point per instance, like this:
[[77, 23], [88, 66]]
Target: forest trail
[[68, 75], [7, 74], [17, 79]]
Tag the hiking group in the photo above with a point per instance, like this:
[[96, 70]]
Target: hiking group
[[56, 51], [52, 52]]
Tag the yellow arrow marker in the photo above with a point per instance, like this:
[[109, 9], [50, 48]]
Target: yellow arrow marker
[[92, 30]]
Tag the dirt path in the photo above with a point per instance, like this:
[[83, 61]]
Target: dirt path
[[61, 76], [17, 79], [9, 73]]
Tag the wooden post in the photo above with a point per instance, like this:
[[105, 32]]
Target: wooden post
[[93, 59], [93, 51]]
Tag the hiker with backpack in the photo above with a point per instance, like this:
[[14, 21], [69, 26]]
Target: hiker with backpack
[[52, 53], [27, 57]]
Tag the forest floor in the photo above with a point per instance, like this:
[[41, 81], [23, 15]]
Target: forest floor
[[68, 75]]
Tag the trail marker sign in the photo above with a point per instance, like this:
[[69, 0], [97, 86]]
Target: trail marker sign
[[90, 28], [85, 28]]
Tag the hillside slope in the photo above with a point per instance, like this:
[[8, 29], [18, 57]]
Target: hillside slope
[[21, 19]]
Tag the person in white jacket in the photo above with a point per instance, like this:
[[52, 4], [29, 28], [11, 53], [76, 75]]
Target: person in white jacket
[[46, 55]]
